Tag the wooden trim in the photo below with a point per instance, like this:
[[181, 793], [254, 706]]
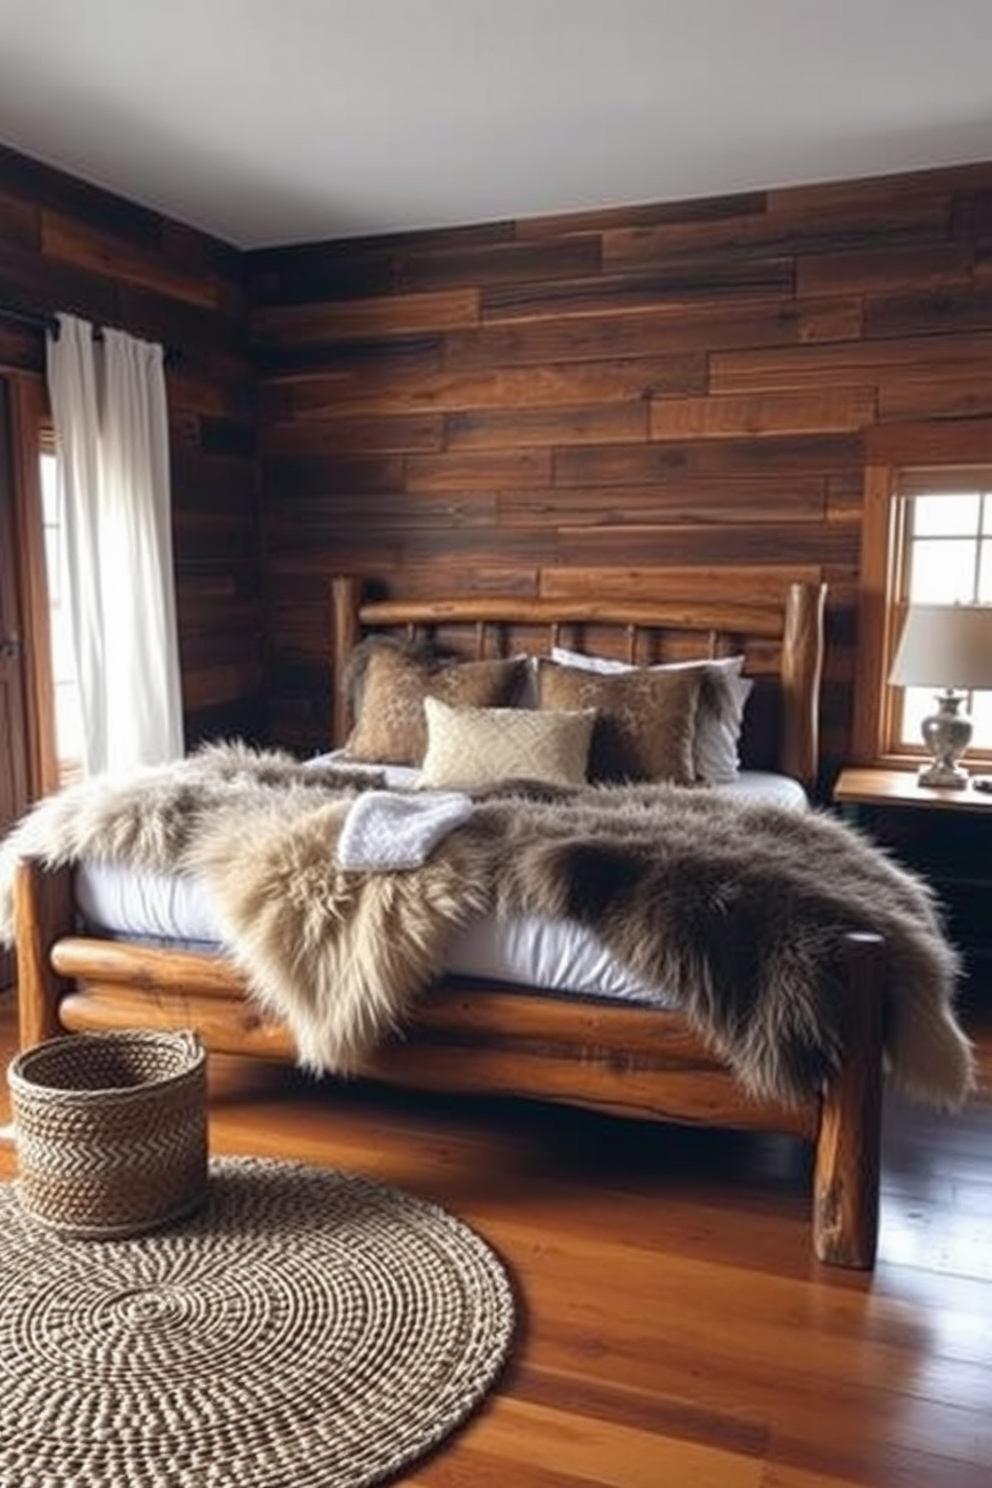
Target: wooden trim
[[28, 413], [874, 615]]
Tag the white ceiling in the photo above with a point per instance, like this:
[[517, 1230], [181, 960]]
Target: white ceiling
[[277, 121]]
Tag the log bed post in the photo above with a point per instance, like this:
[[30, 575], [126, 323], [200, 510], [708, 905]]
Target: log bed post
[[802, 661], [345, 635], [43, 911], [847, 1172]]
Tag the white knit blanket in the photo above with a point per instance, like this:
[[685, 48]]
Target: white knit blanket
[[388, 831]]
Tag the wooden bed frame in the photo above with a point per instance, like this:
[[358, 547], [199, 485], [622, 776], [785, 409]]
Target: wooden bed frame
[[492, 1039]]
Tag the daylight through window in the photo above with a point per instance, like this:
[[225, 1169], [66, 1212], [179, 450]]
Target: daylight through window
[[945, 558], [68, 717]]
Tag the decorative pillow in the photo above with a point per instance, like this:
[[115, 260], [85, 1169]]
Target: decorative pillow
[[389, 683], [716, 756], [646, 720], [471, 747]]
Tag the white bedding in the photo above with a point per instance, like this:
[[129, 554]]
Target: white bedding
[[533, 951]]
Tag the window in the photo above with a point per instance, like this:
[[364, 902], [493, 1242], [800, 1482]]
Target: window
[[927, 540], [68, 717]]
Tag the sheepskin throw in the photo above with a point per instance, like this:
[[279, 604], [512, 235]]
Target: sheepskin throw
[[738, 909]]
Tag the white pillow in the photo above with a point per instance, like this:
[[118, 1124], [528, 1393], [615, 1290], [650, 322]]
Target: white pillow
[[715, 750], [472, 747]]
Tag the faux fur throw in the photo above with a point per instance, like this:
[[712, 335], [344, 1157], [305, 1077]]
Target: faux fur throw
[[738, 909]]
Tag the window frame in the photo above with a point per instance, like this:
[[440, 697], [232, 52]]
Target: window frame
[[931, 458], [29, 415]]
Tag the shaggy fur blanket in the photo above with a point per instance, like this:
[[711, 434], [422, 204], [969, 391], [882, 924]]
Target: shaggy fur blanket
[[738, 909]]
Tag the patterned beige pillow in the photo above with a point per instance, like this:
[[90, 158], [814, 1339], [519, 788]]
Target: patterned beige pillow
[[646, 720], [471, 747]]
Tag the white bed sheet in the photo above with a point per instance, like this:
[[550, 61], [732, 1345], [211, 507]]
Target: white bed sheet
[[531, 950]]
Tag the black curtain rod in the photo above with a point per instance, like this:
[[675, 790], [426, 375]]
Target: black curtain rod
[[39, 322]]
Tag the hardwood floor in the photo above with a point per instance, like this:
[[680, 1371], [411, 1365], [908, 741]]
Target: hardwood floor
[[674, 1329]]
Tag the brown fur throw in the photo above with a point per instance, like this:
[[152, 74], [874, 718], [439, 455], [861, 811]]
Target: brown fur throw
[[738, 909]]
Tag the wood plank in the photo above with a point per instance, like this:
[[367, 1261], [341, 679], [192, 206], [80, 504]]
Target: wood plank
[[282, 366], [41, 286], [559, 384], [362, 435], [917, 397], [649, 214], [748, 319], [633, 464], [20, 222], [318, 519], [47, 187], [847, 364], [479, 470], [835, 410], [945, 309], [884, 268], [632, 293], [930, 442], [386, 315], [788, 543], [322, 475], [733, 499], [103, 253], [784, 229], [740, 583], [441, 267], [522, 427], [830, 318]]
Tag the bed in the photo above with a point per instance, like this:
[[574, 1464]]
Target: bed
[[487, 1036]]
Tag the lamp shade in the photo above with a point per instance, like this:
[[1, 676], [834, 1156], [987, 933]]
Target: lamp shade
[[948, 646]]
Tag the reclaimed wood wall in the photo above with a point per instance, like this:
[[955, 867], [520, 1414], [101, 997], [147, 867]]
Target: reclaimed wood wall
[[677, 398], [65, 245]]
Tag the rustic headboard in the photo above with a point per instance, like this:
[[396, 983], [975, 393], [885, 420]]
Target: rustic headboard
[[782, 642]]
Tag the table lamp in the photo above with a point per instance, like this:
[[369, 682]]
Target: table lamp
[[946, 646]]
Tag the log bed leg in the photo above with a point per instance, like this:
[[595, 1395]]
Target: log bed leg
[[848, 1148], [43, 913]]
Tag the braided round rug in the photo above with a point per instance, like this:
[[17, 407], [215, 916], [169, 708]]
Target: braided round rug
[[307, 1327]]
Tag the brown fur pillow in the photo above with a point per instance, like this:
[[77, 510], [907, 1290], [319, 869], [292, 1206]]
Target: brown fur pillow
[[646, 720], [389, 682]]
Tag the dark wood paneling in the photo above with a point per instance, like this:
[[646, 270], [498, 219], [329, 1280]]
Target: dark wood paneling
[[65, 245], [697, 382]]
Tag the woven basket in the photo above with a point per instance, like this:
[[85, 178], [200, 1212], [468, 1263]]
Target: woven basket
[[111, 1130]]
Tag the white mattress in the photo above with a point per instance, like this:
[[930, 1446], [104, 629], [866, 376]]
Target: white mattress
[[531, 950]]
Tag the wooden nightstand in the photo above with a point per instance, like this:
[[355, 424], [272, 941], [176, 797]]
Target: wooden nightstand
[[864, 786], [946, 835]]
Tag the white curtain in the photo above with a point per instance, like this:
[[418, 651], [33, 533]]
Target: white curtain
[[111, 435]]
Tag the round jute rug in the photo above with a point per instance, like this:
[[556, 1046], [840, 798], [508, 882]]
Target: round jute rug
[[307, 1327]]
